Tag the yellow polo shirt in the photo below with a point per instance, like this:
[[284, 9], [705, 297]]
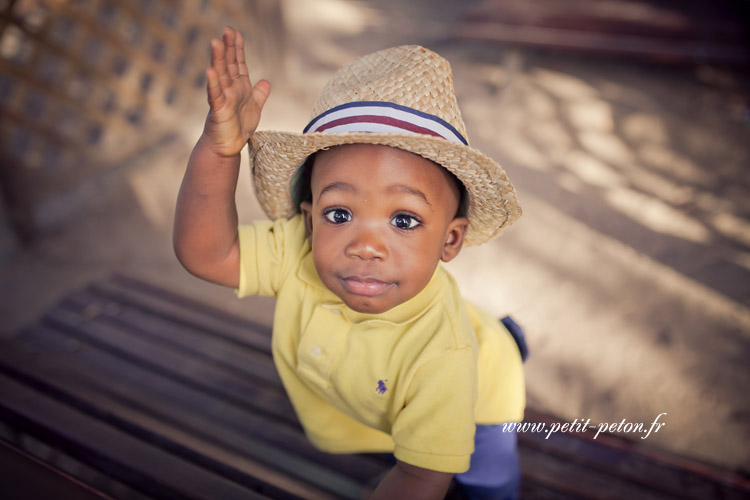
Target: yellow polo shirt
[[414, 380]]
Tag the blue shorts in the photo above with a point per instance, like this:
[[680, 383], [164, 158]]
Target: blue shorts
[[495, 471]]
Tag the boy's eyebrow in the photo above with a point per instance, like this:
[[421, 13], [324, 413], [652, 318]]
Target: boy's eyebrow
[[339, 185], [403, 188], [393, 188]]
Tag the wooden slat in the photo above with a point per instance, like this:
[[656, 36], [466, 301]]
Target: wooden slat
[[577, 481], [191, 443], [131, 461], [630, 461], [179, 366], [531, 489], [186, 312], [27, 478], [663, 50], [202, 413], [219, 436], [196, 342], [203, 387], [191, 379], [658, 30]]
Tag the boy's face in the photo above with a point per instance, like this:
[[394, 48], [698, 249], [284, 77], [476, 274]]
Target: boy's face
[[380, 220]]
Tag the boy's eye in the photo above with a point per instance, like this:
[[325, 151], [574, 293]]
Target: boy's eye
[[338, 216], [403, 221]]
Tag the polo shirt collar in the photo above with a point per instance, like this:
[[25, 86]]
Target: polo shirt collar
[[403, 313]]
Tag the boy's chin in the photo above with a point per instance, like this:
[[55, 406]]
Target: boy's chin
[[368, 305]]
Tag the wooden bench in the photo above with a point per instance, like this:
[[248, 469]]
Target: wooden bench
[[141, 393]]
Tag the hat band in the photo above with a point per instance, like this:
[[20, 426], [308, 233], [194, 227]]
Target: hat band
[[382, 117]]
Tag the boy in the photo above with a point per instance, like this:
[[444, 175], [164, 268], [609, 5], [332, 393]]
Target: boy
[[374, 345]]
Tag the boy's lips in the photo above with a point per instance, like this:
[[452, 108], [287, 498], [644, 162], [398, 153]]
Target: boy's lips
[[365, 286]]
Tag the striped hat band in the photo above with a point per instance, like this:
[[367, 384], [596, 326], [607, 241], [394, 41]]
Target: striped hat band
[[382, 117]]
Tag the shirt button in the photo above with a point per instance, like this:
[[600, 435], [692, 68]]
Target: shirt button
[[315, 351], [336, 311]]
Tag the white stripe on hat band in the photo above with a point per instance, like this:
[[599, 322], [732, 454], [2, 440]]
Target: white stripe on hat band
[[358, 114], [377, 128]]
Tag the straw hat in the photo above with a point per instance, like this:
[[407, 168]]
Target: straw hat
[[401, 97]]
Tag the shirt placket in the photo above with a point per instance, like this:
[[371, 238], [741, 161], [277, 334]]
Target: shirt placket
[[321, 343]]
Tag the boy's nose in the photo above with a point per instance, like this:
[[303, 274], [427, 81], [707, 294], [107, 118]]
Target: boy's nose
[[366, 244]]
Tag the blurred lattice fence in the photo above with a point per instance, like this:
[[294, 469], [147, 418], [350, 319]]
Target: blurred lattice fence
[[86, 84]]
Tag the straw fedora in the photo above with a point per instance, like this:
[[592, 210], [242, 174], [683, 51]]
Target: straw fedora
[[401, 97]]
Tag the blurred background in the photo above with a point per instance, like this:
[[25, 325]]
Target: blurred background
[[625, 127]]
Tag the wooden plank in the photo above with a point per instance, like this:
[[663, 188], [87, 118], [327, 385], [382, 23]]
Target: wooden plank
[[530, 489], [186, 312], [633, 462], [202, 441], [656, 49], [178, 366], [656, 30], [159, 409], [577, 481], [196, 342], [27, 478], [200, 413], [135, 463]]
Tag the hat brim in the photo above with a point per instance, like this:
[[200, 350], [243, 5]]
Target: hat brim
[[493, 205]]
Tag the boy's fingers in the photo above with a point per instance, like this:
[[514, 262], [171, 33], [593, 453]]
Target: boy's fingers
[[241, 65], [219, 63], [213, 88], [230, 41], [260, 92]]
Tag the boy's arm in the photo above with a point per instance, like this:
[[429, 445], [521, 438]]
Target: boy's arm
[[205, 227], [409, 481]]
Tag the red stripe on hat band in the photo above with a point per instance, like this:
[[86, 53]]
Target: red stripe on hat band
[[385, 120]]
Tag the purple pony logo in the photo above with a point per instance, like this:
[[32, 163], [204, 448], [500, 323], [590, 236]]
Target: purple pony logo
[[381, 386]]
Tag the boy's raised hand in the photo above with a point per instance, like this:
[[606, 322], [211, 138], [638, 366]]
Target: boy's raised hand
[[235, 103]]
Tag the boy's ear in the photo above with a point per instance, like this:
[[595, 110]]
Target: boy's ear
[[306, 209], [454, 239]]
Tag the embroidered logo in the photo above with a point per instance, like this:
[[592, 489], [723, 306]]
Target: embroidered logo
[[381, 386]]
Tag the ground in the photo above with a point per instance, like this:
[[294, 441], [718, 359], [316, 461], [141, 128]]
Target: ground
[[630, 269]]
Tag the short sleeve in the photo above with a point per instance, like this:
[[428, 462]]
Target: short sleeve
[[268, 250], [435, 429]]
